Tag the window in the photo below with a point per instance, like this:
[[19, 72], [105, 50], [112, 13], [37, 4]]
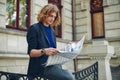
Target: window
[[58, 29], [18, 14], [97, 16]]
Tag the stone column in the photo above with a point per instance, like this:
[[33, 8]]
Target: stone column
[[2, 13], [101, 52]]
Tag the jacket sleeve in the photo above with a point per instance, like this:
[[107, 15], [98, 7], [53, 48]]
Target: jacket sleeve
[[31, 39]]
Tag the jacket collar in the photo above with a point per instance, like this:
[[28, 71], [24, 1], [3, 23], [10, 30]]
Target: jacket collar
[[43, 31]]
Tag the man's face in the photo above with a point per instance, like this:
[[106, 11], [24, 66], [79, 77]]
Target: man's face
[[50, 19]]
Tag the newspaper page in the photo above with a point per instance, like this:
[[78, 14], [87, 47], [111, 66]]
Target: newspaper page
[[69, 52]]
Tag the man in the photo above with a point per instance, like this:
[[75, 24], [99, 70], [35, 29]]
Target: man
[[42, 43]]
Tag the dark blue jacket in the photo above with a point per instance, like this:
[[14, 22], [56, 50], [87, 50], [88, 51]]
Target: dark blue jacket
[[37, 39]]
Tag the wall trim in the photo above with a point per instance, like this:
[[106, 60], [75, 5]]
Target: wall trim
[[12, 31]]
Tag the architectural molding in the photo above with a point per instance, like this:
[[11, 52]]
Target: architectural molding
[[12, 32], [13, 56], [106, 2], [82, 5]]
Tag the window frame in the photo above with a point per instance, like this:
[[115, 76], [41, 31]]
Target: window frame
[[28, 8], [94, 10], [59, 5]]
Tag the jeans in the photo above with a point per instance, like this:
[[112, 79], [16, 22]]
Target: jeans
[[55, 72]]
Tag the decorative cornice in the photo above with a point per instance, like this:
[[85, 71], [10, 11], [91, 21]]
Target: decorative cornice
[[96, 6]]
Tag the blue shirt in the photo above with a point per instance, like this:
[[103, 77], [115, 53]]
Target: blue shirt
[[49, 36]]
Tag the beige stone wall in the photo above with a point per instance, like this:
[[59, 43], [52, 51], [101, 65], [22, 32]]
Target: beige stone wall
[[112, 27], [83, 20], [2, 13], [112, 19], [13, 51], [15, 63], [66, 20], [12, 41]]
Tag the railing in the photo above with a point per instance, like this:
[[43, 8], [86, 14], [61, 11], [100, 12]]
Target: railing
[[90, 73], [16, 76]]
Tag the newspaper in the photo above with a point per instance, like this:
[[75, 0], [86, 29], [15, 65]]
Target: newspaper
[[69, 52]]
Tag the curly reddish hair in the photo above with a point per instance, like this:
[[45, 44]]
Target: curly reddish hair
[[45, 12]]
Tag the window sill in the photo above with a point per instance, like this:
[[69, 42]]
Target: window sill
[[12, 32]]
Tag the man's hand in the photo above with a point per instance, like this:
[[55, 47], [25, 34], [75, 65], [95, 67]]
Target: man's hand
[[51, 51]]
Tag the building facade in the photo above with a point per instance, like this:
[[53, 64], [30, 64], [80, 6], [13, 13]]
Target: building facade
[[96, 19]]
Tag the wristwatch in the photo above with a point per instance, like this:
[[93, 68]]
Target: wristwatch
[[43, 51]]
